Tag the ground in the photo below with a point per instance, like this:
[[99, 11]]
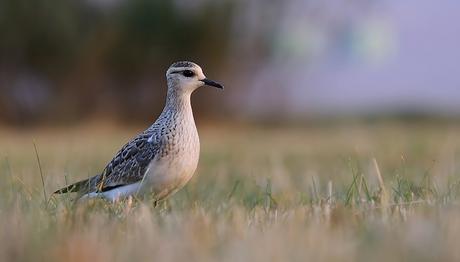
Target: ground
[[380, 191]]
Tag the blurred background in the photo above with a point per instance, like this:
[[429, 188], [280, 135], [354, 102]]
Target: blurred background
[[66, 62]]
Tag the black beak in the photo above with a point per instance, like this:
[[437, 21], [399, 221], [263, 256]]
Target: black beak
[[212, 83]]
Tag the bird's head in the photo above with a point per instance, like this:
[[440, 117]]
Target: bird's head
[[187, 77]]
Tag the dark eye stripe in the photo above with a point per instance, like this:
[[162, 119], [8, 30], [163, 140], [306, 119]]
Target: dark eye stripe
[[188, 73], [182, 72]]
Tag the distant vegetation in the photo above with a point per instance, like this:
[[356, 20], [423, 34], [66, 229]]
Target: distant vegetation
[[64, 59]]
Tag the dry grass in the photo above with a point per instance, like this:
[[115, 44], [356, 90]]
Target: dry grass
[[260, 194]]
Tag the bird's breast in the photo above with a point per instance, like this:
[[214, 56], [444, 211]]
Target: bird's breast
[[176, 163]]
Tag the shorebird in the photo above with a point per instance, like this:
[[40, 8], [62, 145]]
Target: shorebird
[[164, 157]]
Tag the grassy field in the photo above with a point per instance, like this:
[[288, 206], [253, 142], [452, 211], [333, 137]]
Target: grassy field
[[360, 192]]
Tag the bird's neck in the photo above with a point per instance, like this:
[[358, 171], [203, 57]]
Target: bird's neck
[[178, 104]]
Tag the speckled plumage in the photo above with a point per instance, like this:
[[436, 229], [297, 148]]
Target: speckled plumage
[[161, 159]]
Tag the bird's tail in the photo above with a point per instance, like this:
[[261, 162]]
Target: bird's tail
[[75, 187]]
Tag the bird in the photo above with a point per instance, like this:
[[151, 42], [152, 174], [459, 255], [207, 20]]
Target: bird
[[161, 159]]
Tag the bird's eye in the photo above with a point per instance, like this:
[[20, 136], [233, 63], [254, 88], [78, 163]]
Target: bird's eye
[[188, 73]]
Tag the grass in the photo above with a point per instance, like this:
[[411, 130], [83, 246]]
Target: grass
[[382, 192]]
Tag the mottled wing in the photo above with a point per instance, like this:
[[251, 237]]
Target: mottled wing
[[130, 163]]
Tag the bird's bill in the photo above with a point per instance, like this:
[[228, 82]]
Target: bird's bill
[[209, 82]]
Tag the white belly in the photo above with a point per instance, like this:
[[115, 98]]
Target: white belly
[[167, 175], [116, 193]]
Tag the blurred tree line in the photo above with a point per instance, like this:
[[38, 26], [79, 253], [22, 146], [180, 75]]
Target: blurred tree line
[[65, 60]]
